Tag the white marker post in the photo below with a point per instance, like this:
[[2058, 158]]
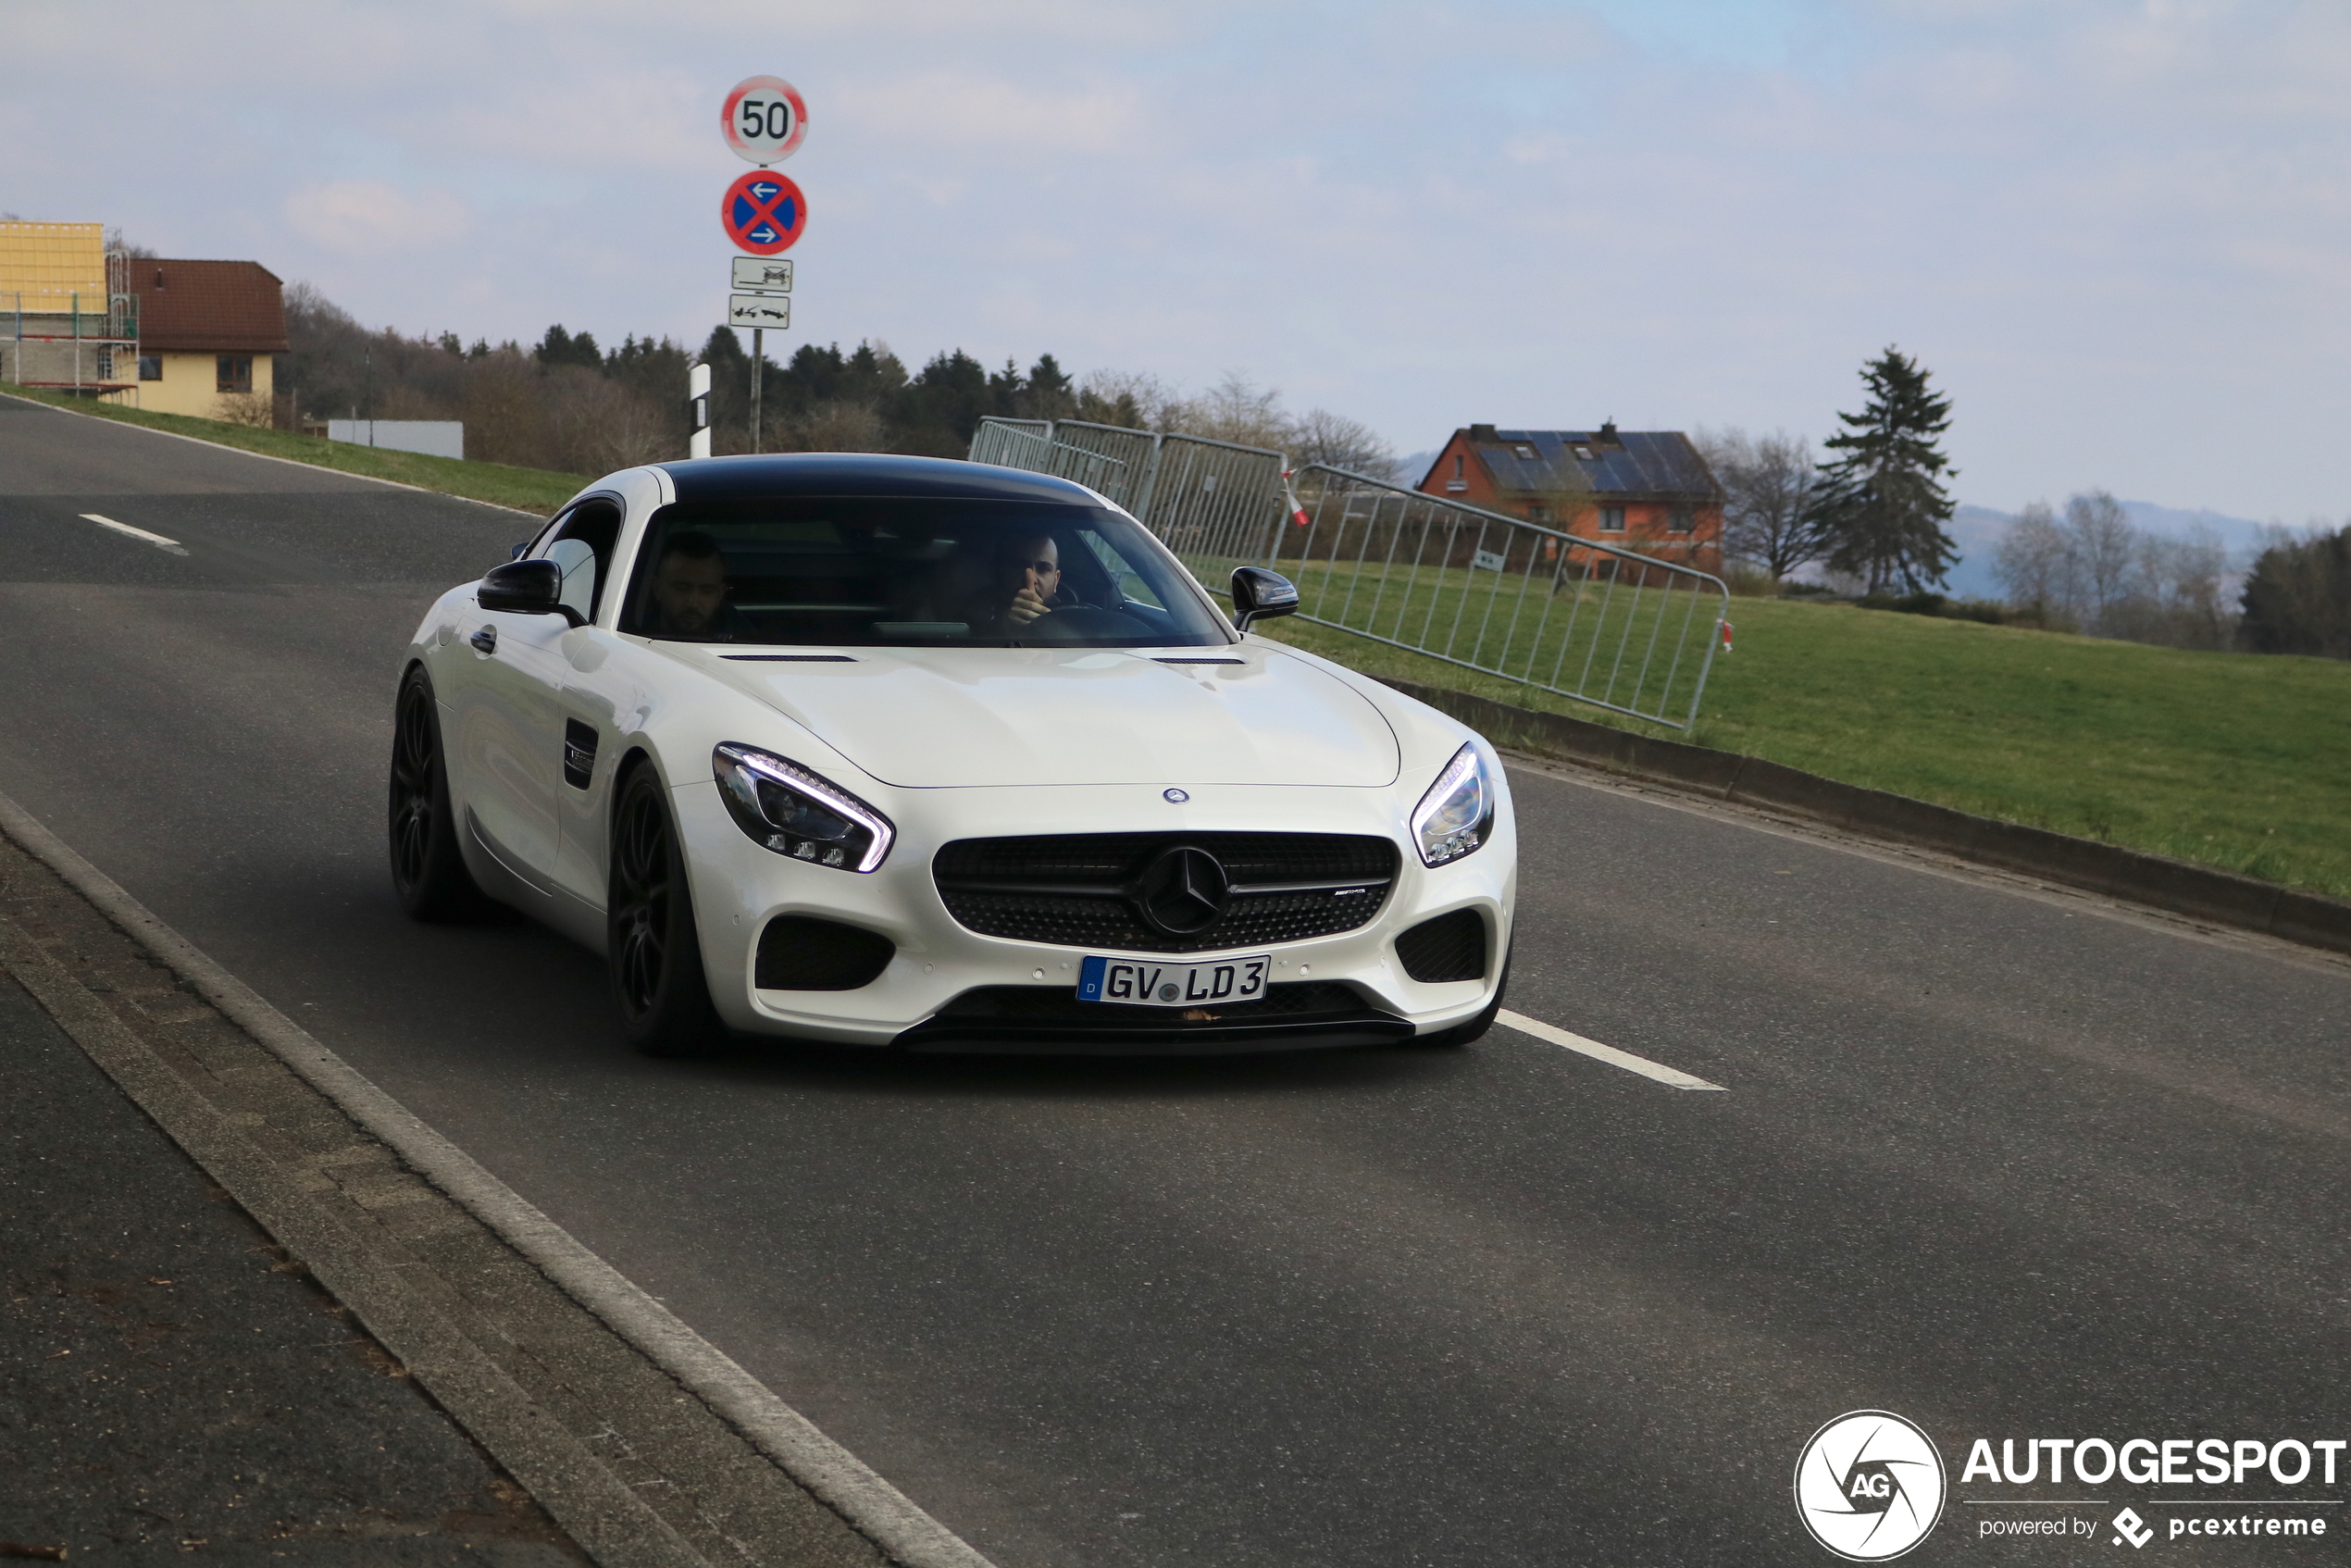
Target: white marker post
[[698, 410]]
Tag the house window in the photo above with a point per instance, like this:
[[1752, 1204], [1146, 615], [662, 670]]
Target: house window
[[1525, 451], [105, 364], [1456, 465], [1584, 452], [1679, 520], [236, 373], [1611, 519], [151, 367], [1457, 484], [1537, 512]]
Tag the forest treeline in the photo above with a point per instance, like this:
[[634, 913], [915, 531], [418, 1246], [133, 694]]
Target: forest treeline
[[572, 404]]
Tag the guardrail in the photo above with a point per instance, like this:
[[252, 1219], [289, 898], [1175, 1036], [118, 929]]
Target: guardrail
[[1556, 611]]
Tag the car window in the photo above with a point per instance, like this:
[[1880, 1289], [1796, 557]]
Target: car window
[[582, 543], [912, 572]]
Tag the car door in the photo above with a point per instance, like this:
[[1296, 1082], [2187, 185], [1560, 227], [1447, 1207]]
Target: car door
[[508, 704]]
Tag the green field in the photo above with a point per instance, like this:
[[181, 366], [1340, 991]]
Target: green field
[[2241, 761], [527, 489]]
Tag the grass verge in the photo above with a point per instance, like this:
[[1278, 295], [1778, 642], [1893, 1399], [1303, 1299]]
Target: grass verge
[[2230, 760], [527, 490]]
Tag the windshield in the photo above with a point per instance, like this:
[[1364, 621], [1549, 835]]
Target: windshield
[[867, 572]]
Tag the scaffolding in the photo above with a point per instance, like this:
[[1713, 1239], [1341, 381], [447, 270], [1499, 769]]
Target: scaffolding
[[72, 320]]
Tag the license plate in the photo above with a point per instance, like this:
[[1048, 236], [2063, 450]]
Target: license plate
[[1143, 982]]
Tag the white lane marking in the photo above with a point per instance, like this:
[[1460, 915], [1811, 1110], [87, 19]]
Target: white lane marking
[[1672, 1078], [155, 538]]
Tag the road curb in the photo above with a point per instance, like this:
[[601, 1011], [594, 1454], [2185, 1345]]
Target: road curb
[[2222, 898], [869, 1503]]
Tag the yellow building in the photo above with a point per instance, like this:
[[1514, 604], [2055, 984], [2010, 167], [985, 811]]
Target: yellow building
[[206, 331]]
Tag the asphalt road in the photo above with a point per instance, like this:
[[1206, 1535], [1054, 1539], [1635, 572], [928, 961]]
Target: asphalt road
[[2009, 1165]]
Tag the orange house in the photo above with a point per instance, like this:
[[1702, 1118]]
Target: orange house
[[1644, 490]]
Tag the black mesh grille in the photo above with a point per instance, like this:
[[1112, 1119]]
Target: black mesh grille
[[1016, 1018], [1452, 947], [1074, 889], [798, 953]]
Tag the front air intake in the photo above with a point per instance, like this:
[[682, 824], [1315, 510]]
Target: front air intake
[[798, 952], [1452, 947]]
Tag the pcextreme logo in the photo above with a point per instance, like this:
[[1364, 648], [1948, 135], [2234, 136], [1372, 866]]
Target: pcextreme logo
[[1869, 1486]]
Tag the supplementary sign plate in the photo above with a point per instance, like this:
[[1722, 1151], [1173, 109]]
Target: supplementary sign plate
[[761, 276], [764, 119], [758, 310], [764, 213]]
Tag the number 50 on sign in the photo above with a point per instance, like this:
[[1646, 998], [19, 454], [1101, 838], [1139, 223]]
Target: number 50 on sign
[[764, 119]]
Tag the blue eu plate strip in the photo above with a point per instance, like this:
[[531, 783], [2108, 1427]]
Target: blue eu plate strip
[[1089, 979]]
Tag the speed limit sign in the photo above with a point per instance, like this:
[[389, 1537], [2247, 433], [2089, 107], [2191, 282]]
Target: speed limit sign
[[764, 119]]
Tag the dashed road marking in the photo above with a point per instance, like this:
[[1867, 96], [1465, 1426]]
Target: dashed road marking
[[1672, 1078], [141, 534]]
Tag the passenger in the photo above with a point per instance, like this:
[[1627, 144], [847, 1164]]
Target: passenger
[[689, 590]]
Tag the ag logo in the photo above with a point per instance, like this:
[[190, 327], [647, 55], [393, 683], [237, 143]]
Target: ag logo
[[1869, 1486]]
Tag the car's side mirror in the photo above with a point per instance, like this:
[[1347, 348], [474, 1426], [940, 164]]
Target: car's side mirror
[[1259, 594], [527, 588]]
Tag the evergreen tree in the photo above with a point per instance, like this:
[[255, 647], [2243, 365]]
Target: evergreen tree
[[1004, 390], [1051, 393], [1880, 505], [2298, 598], [559, 347]]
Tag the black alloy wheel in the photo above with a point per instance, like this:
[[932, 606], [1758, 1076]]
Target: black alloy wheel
[[428, 872], [652, 951]]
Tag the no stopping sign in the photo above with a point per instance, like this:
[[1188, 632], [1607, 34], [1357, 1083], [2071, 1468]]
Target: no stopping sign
[[764, 119]]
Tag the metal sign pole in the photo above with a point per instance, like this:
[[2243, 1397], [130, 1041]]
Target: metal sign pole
[[758, 374]]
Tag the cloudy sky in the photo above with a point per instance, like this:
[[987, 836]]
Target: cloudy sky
[[2115, 232]]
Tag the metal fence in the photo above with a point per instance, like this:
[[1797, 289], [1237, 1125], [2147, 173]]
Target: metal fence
[[1555, 611], [1199, 496], [1030, 443]]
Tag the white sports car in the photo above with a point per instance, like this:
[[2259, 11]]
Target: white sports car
[[900, 752]]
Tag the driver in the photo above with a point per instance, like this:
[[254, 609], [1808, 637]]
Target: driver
[[1026, 579], [689, 590]]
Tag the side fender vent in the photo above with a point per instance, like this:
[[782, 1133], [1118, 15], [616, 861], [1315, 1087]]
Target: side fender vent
[[580, 753], [1452, 947], [799, 953]]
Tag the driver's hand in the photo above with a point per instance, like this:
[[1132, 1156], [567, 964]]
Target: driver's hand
[[1026, 605]]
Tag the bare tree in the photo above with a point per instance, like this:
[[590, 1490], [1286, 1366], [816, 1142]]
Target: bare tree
[[1769, 485], [2034, 563], [2105, 546], [838, 425], [1337, 441]]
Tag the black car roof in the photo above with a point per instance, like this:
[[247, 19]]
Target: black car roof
[[860, 473]]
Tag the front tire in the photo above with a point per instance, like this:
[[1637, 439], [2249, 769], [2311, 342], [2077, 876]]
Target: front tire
[[428, 872], [654, 954]]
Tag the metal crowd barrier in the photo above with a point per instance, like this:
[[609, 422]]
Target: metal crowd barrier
[[1556, 611], [1596, 623]]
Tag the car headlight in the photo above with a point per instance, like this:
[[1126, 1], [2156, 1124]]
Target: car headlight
[[793, 812], [1458, 812]]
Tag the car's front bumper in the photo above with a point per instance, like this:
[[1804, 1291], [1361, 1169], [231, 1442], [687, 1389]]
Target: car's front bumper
[[739, 886]]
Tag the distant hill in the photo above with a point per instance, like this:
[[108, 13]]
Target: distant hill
[[1978, 530]]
